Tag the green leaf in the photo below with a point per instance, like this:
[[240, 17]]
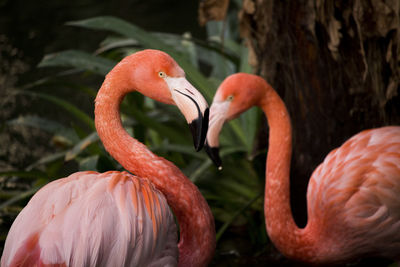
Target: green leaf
[[82, 145], [200, 170], [37, 122], [78, 59], [184, 149], [142, 118], [249, 121], [89, 163], [19, 197], [235, 215], [220, 68], [149, 40], [47, 159], [244, 60], [82, 116], [53, 82], [207, 163], [61, 132], [112, 42], [24, 174], [232, 135]]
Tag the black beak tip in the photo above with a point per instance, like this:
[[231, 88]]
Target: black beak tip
[[213, 153], [199, 128]]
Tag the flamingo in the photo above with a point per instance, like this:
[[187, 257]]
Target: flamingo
[[353, 196], [116, 218]]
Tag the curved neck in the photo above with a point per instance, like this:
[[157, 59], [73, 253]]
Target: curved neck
[[282, 229], [197, 232]]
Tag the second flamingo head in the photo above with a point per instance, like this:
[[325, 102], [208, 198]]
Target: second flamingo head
[[235, 95]]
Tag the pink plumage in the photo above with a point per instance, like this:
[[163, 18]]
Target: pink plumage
[[93, 219], [116, 218], [356, 191], [353, 197]]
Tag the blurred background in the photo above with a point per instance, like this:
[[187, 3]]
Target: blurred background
[[335, 64]]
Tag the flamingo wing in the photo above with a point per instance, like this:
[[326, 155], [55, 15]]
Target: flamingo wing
[[356, 190], [92, 219]]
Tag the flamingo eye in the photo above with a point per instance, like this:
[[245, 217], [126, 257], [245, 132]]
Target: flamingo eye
[[229, 98], [162, 74]]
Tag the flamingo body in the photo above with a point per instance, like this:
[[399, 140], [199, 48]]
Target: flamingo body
[[353, 197], [93, 219], [115, 218]]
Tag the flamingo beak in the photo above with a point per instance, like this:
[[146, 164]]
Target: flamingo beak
[[218, 116], [193, 107]]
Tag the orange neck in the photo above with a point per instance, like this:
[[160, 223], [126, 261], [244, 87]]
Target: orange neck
[[197, 231], [282, 230]]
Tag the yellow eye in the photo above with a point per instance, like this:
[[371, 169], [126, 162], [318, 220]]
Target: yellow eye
[[229, 98], [162, 74]]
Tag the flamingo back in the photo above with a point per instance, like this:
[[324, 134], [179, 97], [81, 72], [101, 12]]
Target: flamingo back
[[93, 219], [354, 197]]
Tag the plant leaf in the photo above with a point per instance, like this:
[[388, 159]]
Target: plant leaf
[[89, 163], [46, 125], [149, 40], [82, 116], [78, 59], [82, 145], [231, 220], [19, 197], [184, 149], [24, 174], [115, 42], [47, 159], [142, 118]]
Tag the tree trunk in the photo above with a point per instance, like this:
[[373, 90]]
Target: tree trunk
[[336, 66]]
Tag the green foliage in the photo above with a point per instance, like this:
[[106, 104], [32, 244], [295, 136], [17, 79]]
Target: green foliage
[[233, 194], [79, 60]]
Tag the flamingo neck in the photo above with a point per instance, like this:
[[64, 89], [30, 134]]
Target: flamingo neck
[[197, 231], [282, 229]]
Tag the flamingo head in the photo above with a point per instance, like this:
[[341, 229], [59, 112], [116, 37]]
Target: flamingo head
[[157, 75], [235, 95]]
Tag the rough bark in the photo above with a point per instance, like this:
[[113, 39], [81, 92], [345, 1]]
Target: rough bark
[[335, 64], [212, 10]]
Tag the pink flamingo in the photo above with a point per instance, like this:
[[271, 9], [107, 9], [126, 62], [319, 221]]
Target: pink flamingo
[[115, 218], [353, 197]]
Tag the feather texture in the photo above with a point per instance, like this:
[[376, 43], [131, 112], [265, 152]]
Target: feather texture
[[356, 190], [117, 219], [353, 197], [93, 219]]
